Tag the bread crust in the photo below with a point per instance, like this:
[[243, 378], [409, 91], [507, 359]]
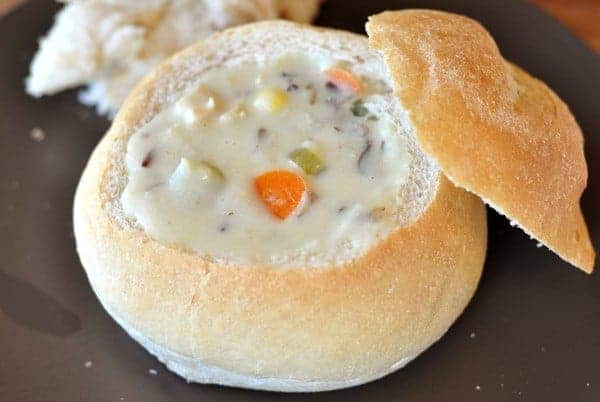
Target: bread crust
[[285, 329], [299, 10], [493, 129]]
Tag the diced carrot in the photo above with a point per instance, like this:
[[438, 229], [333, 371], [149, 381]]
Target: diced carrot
[[345, 79], [281, 191]]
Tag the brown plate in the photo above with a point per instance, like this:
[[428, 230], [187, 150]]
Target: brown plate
[[532, 333]]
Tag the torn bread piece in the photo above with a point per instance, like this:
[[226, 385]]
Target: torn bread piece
[[492, 128], [109, 45]]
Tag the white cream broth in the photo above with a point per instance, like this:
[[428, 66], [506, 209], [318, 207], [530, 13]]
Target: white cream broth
[[192, 169]]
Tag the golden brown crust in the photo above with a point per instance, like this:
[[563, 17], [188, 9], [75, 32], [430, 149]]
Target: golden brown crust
[[299, 10], [340, 323], [493, 129]]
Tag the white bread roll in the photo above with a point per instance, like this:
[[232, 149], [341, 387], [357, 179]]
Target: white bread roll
[[263, 325], [109, 45]]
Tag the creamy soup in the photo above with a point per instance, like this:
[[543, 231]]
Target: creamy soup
[[290, 162]]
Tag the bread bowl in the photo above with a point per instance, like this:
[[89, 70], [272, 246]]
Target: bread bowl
[[109, 45], [341, 311]]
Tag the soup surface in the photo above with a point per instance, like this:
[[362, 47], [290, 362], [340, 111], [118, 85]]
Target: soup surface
[[292, 162]]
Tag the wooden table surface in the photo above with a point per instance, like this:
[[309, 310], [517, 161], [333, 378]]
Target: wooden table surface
[[581, 16]]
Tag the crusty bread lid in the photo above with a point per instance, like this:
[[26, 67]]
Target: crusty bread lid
[[491, 127]]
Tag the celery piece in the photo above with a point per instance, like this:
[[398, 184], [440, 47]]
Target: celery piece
[[358, 108], [307, 160]]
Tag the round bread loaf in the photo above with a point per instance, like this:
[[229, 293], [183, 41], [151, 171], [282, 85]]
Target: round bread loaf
[[291, 326]]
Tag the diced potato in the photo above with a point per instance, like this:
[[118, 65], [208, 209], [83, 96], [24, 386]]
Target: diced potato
[[193, 179], [270, 100], [236, 113], [181, 135], [198, 106]]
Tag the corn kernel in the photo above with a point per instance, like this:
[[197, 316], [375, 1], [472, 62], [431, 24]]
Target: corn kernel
[[237, 112], [270, 100]]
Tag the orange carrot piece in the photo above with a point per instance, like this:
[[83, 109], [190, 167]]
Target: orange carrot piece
[[281, 191], [345, 79]]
